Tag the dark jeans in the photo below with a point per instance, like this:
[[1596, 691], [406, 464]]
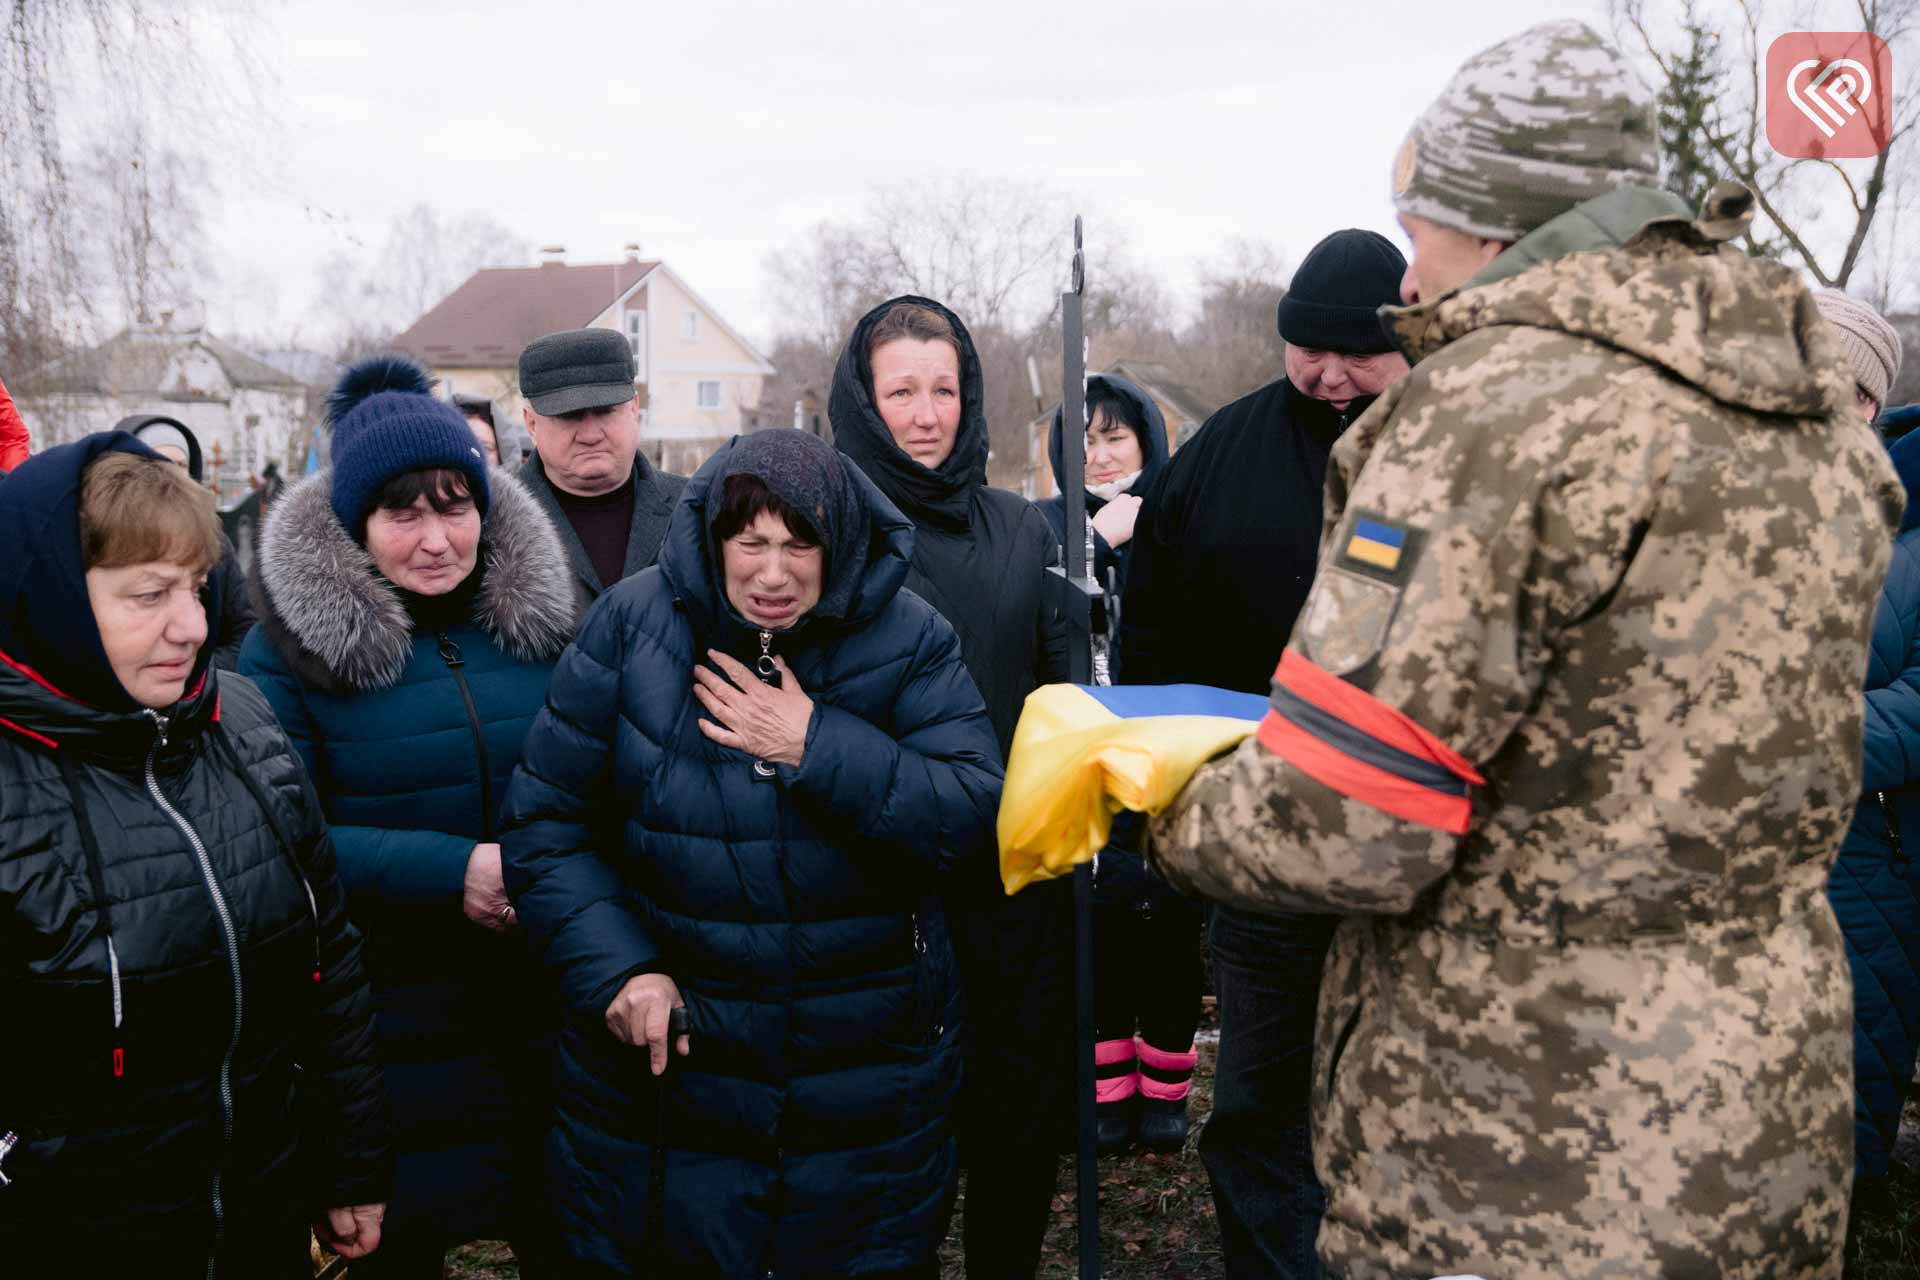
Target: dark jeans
[[1256, 1145]]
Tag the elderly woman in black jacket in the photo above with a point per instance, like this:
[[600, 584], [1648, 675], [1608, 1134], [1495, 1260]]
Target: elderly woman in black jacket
[[188, 1079], [757, 765], [908, 406]]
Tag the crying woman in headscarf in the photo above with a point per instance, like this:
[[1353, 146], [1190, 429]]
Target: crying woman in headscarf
[[758, 765]]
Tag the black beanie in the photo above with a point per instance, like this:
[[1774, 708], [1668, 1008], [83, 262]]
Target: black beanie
[[1334, 301]]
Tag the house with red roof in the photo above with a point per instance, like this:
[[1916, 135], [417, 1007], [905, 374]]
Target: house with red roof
[[698, 378]]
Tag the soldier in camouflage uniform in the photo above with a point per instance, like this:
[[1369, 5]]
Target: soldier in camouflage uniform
[[1571, 726]]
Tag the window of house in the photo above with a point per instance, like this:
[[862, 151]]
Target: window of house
[[690, 325], [637, 342], [709, 395]]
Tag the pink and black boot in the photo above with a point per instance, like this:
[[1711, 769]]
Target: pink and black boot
[[1116, 1085], [1165, 1081]]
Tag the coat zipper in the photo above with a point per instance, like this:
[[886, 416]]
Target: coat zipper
[[98, 881], [922, 987], [764, 772], [8, 1141], [450, 654], [1893, 830], [233, 968], [761, 768]]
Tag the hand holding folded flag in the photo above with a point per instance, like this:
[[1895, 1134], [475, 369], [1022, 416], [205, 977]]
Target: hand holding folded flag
[[1083, 753]]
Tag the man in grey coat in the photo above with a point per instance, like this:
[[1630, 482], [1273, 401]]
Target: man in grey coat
[[606, 499]]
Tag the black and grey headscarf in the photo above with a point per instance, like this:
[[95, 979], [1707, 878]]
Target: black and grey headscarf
[[806, 473]]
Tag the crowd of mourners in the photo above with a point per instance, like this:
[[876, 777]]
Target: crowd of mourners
[[569, 853]]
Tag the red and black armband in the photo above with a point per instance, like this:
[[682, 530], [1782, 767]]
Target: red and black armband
[[1346, 739]]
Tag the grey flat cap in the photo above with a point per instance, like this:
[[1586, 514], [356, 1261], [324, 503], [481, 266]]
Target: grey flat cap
[[576, 369]]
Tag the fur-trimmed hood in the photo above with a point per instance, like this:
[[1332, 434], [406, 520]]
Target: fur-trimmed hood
[[343, 627]]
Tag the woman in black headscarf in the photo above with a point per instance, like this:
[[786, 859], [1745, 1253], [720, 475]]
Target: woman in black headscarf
[[908, 407], [794, 761]]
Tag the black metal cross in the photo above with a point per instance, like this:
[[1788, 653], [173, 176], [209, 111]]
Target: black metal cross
[[1077, 594]]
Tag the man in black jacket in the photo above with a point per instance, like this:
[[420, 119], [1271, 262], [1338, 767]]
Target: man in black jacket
[[1224, 553], [608, 502]]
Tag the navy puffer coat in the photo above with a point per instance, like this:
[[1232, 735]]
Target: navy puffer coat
[[1875, 887], [799, 915], [409, 716]]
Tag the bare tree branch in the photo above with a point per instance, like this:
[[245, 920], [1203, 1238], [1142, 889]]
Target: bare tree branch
[[1792, 193], [79, 78]]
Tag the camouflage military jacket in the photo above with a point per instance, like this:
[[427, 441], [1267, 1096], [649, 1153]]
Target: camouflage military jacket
[[1571, 728]]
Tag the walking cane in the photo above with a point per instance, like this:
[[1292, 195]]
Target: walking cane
[[1078, 595], [677, 1024]]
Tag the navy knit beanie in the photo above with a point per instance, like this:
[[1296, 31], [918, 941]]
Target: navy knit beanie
[[1334, 301], [386, 423]]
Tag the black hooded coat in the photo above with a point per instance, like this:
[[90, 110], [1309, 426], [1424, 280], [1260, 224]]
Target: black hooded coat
[[1227, 543], [1121, 879], [235, 618], [980, 554], [189, 1058], [797, 909], [980, 557], [1110, 566]]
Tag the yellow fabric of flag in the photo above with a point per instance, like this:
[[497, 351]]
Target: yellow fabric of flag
[[1080, 755]]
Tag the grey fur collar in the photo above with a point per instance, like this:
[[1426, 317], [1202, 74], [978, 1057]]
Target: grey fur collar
[[344, 628]]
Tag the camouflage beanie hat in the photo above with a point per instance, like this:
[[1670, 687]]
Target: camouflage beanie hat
[[1871, 345], [1525, 131]]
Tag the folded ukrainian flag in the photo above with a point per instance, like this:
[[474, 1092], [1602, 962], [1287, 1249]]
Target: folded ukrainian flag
[[1082, 753]]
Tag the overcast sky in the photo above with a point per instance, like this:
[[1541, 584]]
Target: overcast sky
[[715, 131]]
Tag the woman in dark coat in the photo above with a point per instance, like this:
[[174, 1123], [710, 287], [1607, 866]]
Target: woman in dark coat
[[908, 406], [768, 855], [188, 1077], [1126, 450], [412, 606], [1146, 937]]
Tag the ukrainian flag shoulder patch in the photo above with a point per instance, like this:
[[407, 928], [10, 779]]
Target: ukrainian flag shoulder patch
[[1379, 547]]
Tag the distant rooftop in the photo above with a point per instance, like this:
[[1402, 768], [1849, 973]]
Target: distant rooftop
[[139, 361], [314, 368], [486, 321], [1158, 380]]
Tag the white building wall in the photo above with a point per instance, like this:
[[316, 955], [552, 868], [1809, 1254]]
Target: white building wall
[[683, 356], [277, 432]]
